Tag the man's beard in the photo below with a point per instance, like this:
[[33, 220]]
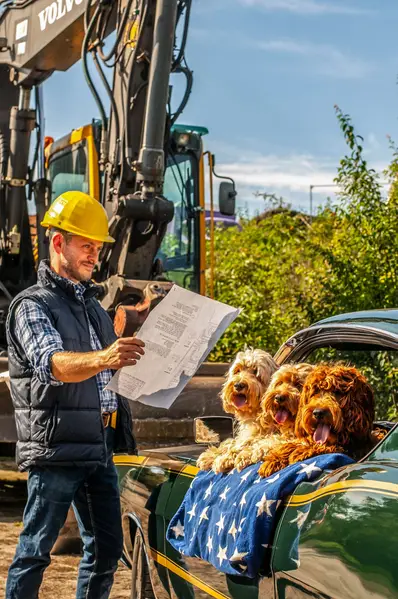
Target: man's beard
[[75, 274]]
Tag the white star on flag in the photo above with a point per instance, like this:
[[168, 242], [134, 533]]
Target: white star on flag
[[243, 500], [203, 515], [309, 469], [259, 479], [192, 512], [209, 543], [236, 557], [222, 554], [220, 523], [264, 506], [244, 477], [208, 490], [273, 479], [178, 529], [240, 524], [233, 530], [232, 472], [223, 495], [300, 518]]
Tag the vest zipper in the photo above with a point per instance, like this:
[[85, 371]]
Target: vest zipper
[[96, 387]]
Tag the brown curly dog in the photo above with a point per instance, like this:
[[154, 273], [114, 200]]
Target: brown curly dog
[[335, 415]]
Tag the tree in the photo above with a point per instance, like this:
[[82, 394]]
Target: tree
[[287, 272]]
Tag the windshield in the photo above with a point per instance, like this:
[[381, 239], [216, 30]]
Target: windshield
[[68, 170], [178, 249]]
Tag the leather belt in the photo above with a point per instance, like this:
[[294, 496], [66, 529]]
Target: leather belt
[[109, 419]]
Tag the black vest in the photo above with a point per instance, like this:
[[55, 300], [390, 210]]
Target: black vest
[[62, 425]]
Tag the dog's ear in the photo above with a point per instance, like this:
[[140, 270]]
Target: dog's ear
[[307, 391], [358, 409], [299, 430]]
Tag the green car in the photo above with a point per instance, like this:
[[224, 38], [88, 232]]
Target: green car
[[337, 537]]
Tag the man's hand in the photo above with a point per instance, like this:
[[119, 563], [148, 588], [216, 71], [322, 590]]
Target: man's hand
[[123, 352], [70, 367]]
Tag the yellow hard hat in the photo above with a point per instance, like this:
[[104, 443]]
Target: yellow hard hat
[[79, 214]]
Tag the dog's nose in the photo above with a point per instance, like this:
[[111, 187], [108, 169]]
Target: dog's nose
[[319, 413], [279, 399], [239, 386]]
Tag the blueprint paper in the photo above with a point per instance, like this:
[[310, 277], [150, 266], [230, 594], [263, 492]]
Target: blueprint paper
[[178, 335]]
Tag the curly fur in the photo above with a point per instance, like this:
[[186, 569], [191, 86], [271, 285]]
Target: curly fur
[[335, 414], [277, 417], [245, 384], [281, 400]]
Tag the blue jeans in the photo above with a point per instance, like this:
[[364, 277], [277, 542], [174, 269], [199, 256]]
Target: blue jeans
[[94, 494]]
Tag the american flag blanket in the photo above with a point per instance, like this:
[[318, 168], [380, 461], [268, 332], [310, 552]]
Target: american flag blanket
[[229, 519]]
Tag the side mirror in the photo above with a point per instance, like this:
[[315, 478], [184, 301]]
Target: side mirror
[[213, 429], [227, 198]]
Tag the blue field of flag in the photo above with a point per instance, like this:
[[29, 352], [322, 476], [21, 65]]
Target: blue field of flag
[[229, 519]]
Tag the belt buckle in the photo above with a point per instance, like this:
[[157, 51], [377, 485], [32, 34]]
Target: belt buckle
[[106, 418]]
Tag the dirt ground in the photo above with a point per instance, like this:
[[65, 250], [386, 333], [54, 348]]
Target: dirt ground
[[60, 578]]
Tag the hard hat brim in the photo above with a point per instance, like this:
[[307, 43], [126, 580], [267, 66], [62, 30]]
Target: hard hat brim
[[73, 231]]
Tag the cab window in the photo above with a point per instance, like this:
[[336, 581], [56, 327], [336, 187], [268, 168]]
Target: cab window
[[68, 170], [179, 249]]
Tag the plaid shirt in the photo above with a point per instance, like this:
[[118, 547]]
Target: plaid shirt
[[41, 341]]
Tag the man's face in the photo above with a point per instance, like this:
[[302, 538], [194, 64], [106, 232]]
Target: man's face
[[78, 256]]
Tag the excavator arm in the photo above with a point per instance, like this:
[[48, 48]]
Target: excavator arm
[[38, 37]]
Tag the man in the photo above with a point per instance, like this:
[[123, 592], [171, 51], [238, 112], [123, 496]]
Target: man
[[62, 354]]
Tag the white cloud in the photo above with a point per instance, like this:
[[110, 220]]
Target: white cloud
[[287, 176], [308, 7], [327, 59], [274, 173]]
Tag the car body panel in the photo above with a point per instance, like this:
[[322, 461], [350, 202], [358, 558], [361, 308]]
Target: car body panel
[[336, 538], [377, 328], [152, 488]]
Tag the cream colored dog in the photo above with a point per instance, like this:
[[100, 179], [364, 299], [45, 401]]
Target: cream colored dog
[[245, 385]]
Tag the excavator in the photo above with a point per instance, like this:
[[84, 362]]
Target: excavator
[[145, 168]]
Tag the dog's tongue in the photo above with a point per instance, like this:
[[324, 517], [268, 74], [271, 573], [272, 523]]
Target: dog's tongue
[[281, 416], [321, 433], [239, 400]]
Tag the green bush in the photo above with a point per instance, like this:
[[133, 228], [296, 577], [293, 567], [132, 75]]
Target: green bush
[[287, 272]]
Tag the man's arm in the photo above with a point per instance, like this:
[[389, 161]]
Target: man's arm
[[74, 367], [44, 349]]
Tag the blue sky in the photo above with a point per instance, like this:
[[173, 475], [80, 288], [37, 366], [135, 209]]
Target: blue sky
[[267, 74]]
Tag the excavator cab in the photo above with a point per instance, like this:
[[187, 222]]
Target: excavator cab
[[72, 164]]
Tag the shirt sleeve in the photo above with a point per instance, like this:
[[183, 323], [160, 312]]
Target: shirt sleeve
[[38, 338]]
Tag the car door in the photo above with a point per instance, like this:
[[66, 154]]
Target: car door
[[146, 483], [338, 537], [195, 578]]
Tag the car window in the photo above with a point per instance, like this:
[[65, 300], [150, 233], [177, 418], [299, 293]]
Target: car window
[[380, 368]]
